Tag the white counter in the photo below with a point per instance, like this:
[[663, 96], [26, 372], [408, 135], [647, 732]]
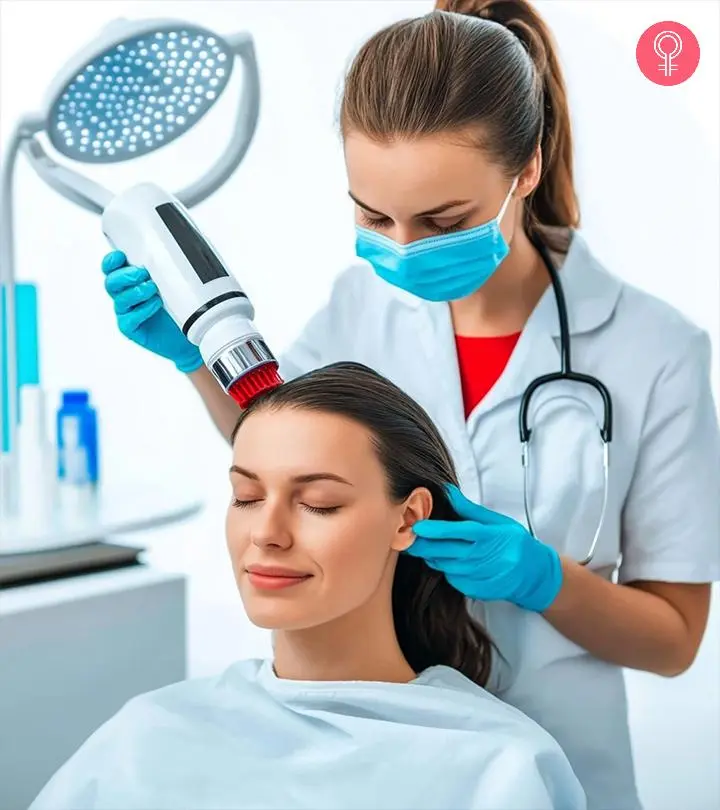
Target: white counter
[[72, 652]]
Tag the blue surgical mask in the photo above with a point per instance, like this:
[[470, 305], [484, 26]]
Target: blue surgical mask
[[439, 268]]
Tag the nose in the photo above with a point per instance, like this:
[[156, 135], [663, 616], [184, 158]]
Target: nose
[[403, 233], [270, 526]]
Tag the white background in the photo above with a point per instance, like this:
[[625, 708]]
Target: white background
[[647, 161]]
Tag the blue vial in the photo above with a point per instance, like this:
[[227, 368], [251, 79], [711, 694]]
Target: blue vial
[[76, 406], [28, 355]]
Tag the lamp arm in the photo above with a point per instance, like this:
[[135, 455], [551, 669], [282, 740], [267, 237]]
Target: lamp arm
[[25, 128], [8, 348], [71, 184], [244, 129]]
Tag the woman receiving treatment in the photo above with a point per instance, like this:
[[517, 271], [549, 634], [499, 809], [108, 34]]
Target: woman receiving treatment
[[374, 694]]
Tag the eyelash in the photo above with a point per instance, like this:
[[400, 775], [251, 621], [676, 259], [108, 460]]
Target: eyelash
[[379, 224], [316, 510]]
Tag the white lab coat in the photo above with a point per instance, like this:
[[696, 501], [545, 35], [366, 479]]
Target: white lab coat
[[251, 741], [663, 511]]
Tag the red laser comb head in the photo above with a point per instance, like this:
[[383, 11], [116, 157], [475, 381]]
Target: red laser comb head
[[255, 382]]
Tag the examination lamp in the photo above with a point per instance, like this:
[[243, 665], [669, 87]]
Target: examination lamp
[[137, 87]]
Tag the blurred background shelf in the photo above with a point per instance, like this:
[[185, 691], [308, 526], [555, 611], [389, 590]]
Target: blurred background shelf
[[118, 509]]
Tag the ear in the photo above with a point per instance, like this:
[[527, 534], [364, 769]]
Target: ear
[[417, 506], [530, 175]]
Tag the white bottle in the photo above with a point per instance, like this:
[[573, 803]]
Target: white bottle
[[36, 460], [77, 492]]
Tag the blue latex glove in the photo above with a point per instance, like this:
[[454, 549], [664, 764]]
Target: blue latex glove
[[141, 316], [488, 556]]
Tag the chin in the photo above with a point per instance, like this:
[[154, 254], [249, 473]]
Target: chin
[[281, 618], [276, 612]]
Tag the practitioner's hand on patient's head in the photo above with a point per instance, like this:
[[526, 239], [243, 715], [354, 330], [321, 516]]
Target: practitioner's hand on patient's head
[[489, 556]]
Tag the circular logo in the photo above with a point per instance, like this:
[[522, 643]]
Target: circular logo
[[668, 53]]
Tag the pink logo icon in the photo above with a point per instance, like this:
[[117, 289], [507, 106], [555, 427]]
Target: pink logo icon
[[668, 53]]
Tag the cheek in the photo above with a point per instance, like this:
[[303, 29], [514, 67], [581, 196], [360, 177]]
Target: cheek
[[354, 548]]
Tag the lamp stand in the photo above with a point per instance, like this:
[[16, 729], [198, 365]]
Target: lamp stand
[[26, 128]]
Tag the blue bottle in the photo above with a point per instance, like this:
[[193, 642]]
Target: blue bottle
[[77, 413], [27, 346]]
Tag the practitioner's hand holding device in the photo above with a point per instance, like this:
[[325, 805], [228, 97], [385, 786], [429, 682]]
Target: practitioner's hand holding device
[[141, 316], [174, 296], [489, 556]]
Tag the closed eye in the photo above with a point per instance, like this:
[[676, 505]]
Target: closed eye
[[243, 504], [379, 223], [374, 222], [317, 510], [320, 510]]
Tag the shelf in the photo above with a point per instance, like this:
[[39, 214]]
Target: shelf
[[118, 510]]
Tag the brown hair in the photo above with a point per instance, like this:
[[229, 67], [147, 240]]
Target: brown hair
[[431, 618], [491, 71]]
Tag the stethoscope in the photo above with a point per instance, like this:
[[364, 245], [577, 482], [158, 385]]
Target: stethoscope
[[565, 373]]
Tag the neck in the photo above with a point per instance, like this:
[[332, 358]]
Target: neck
[[504, 303], [359, 646]]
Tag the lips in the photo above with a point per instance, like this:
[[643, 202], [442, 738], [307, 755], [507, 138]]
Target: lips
[[276, 571], [272, 578]]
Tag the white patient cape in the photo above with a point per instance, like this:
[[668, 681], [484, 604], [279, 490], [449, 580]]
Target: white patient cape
[[249, 740]]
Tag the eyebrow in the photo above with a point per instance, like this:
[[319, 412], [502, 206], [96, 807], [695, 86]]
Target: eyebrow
[[309, 478], [432, 212]]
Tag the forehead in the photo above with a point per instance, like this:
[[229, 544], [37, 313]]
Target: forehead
[[294, 441], [415, 175]]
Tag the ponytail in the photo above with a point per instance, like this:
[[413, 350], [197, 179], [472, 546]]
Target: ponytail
[[554, 201]]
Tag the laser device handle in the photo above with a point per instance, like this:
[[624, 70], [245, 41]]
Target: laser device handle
[[154, 230]]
